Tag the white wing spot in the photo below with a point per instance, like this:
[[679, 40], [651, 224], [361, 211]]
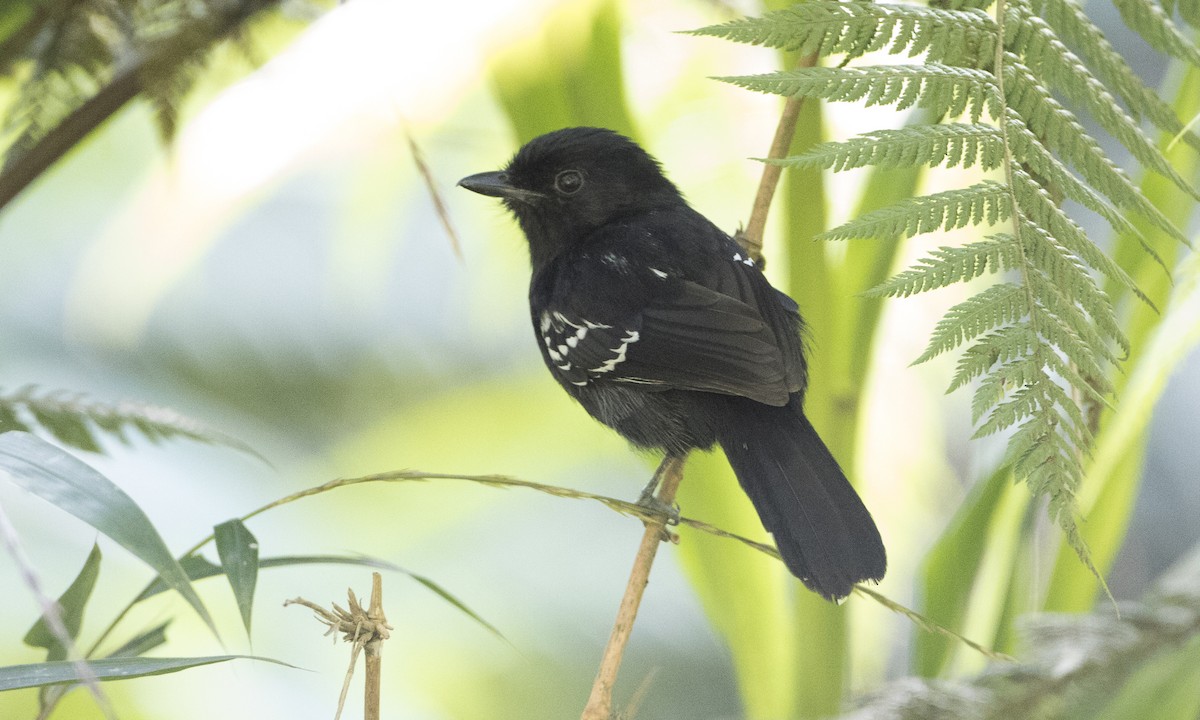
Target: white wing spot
[[580, 383], [572, 341], [554, 355], [737, 257], [658, 272], [581, 332], [563, 319], [595, 326], [545, 322], [630, 337], [563, 349]]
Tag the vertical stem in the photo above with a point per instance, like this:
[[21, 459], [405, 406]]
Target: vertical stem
[[374, 653], [599, 705], [752, 237]]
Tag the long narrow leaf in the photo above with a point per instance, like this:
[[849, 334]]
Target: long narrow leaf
[[71, 604], [75, 487], [238, 549], [15, 677], [951, 568]]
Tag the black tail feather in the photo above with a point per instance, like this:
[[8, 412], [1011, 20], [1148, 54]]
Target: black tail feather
[[824, 532]]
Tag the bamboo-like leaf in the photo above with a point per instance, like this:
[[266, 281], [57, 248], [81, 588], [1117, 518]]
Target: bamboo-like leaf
[[143, 642], [71, 605], [950, 569], [76, 488], [15, 677], [238, 549]]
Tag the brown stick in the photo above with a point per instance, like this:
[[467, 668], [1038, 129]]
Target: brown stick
[[374, 652], [599, 705], [752, 237]]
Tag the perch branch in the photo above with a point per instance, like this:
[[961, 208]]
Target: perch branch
[[751, 237], [599, 705]]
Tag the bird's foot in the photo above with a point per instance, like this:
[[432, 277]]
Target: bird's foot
[[668, 511]]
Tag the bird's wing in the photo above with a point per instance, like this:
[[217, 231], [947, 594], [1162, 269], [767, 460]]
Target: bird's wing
[[684, 336]]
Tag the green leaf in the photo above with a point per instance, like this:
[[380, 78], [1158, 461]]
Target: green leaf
[[143, 642], [951, 568], [15, 677], [728, 579], [238, 549], [571, 75], [1166, 683], [198, 567], [71, 606], [74, 487]]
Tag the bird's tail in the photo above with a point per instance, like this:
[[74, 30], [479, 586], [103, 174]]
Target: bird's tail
[[824, 532]]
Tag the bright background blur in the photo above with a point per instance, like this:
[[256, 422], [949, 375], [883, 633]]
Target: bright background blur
[[281, 274]]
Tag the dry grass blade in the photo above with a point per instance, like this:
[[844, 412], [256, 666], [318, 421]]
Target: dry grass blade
[[439, 205], [632, 510]]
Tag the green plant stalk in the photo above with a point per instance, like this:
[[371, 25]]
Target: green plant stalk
[[821, 658], [570, 75]]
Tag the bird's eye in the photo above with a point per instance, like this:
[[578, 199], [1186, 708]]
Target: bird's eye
[[568, 182]]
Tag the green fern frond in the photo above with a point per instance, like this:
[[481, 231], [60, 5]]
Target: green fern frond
[[1022, 403], [1072, 279], [1029, 150], [1023, 82], [1041, 344], [1158, 29], [941, 89], [1003, 378], [1096, 168], [998, 347], [948, 265], [954, 37], [1038, 208], [1072, 25], [1053, 64], [985, 202], [83, 61], [949, 144], [1065, 326], [996, 306], [70, 59], [75, 421], [1189, 10]]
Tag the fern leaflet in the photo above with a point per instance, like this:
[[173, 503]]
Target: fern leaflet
[[1045, 338]]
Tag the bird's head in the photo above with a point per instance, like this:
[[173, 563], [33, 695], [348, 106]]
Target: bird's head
[[564, 185]]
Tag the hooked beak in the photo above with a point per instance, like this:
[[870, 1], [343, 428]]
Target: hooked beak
[[496, 184]]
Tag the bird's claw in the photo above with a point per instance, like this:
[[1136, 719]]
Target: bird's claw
[[668, 511]]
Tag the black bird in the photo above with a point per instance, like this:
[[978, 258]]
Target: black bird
[[658, 323]]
